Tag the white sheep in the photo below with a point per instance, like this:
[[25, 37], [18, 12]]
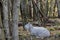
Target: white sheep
[[40, 32]]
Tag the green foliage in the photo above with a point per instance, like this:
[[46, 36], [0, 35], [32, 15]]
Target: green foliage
[[51, 29]]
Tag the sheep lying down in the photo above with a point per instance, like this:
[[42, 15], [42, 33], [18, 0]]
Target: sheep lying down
[[39, 32]]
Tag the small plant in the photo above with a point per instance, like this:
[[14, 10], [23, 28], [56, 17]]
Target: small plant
[[51, 29]]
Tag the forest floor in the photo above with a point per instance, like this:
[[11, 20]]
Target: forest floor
[[25, 34]]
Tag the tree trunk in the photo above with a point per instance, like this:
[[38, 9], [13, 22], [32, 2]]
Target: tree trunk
[[35, 11], [23, 12], [10, 17], [16, 7], [2, 36], [54, 14], [5, 20], [30, 9], [58, 6]]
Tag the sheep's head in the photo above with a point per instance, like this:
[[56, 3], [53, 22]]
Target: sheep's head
[[28, 26]]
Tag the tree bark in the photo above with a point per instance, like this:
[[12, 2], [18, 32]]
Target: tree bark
[[5, 20], [2, 36], [30, 9], [16, 7], [58, 6], [23, 12], [10, 17]]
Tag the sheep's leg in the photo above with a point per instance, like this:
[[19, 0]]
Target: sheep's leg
[[31, 37], [24, 38], [47, 38], [38, 38]]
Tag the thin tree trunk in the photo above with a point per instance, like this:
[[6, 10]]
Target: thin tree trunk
[[35, 11], [58, 6], [30, 9], [10, 17], [16, 7], [54, 9], [38, 14], [46, 8], [2, 36], [23, 12], [5, 20]]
